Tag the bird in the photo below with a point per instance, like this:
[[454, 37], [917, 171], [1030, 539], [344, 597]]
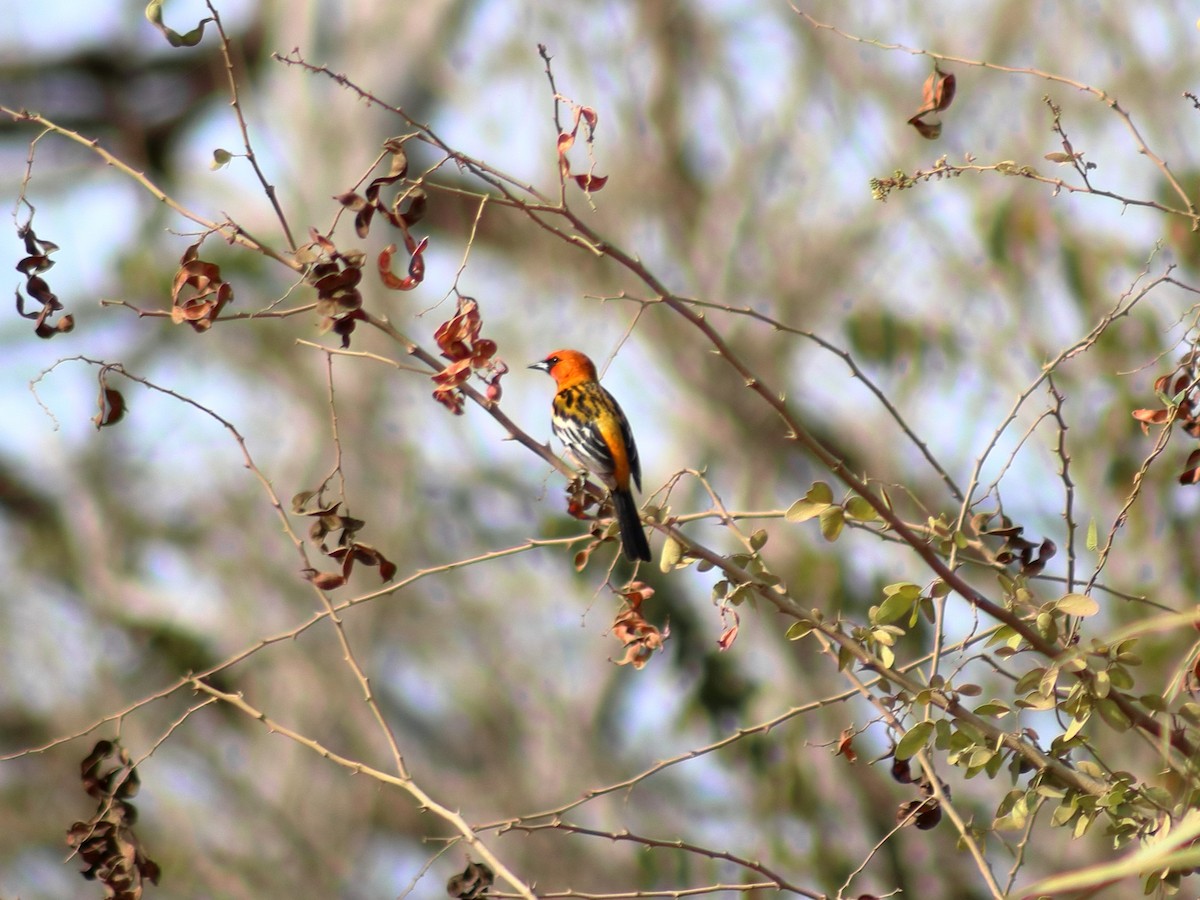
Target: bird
[[590, 423]]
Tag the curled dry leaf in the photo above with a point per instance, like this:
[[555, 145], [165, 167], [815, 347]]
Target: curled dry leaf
[[198, 293], [36, 260], [566, 140], [845, 745], [1152, 416], [106, 842], [936, 96], [416, 265], [458, 340], [1191, 471], [472, 883], [639, 636], [591, 183], [112, 408], [326, 581]]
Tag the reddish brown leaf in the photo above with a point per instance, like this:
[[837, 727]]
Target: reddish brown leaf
[[591, 183], [327, 581], [351, 201], [931, 131], [1152, 416], [482, 351], [454, 374], [728, 636], [937, 93], [640, 637], [943, 94], [450, 398], [417, 201], [845, 745], [112, 407], [416, 267]]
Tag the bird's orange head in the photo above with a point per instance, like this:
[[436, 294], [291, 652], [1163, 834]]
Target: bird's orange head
[[568, 368]]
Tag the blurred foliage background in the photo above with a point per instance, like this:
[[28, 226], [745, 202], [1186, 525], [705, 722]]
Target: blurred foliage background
[[740, 143]]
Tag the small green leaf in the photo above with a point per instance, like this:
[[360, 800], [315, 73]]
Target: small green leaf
[[220, 159], [914, 740], [1111, 713], [845, 658], [894, 608], [1093, 538], [1077, 605], [832, 521], [799, 630], [818, 499], [672, 553], [995, 708], [886, 655], [860, 510], [1152, 702], [154, 14], [1074, 727], [758, 540]]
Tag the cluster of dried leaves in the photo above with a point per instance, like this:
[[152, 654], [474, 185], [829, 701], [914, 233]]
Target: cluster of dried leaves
[[106, 841], [335, 276], [406, 209], [37, 260], [1180, 403], [937, 95], [639, 637], [198, 294], [328, 521], [566, 140], [459, 341], [473, 882], [1016, 549]]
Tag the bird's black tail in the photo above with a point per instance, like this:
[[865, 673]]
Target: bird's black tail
[[629, 521]]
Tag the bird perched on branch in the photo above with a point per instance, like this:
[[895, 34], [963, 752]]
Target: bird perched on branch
[[593, 428]]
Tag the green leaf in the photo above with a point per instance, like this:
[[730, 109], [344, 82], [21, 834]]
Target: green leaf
[[860, 510], [799, 630], [220, 159], [845, 658], [995, 708], [914, 740], [672, 553], [1077, 605], [1111, 713], [1074, 727], [818, 499], [1093, 539], [894, 608], [155, 14], [832, 521], [1166, 850], [1027, 681], [759, 539]]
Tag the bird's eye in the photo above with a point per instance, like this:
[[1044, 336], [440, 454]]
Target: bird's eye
[[553, 360]]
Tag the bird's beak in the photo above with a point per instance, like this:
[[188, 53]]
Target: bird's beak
[[542, 366]]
